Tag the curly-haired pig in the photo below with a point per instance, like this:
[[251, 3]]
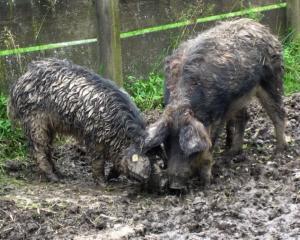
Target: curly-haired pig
[[210, 80], [56, 96]]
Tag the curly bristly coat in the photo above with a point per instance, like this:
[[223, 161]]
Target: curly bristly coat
[[210, 80], [56, 96]]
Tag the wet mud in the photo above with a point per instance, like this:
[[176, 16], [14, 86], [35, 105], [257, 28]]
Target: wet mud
[[255, 195]]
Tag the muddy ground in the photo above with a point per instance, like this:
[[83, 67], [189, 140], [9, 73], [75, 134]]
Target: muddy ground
[[255, 195]]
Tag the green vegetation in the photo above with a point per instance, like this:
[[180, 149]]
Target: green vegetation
[[147, 93], [292, 67], [11, 139], [8, 40]]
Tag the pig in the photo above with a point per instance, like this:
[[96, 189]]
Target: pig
[[210, 80], [58, 97]]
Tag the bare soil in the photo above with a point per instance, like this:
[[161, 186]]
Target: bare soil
[[255, 195]]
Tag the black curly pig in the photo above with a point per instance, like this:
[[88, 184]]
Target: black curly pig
[[56, 96], [210, 80]]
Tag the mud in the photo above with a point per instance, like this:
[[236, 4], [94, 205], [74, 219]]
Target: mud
[[255, 195]]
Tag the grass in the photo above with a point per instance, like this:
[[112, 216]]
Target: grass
[[147, 93], [12, 142], [292, 67]]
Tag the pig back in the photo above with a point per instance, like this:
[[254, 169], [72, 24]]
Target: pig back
[[76, 98], [222, 65]]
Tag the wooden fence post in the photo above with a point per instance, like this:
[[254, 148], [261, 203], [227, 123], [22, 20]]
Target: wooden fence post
[[293, 14], [109, 43]]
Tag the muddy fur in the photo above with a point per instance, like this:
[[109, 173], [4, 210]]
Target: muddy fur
[[56, 96], [254, 196], [213, 77]]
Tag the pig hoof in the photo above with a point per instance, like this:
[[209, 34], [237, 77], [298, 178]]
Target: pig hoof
[[59, 173], [100, 182], [52, 177], [233, 152], [207, 182], [205, 179], [281, 148]]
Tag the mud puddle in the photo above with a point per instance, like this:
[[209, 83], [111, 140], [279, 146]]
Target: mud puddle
[[255, 195]]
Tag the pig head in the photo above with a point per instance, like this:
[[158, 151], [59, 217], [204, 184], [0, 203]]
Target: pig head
[[186, 142]]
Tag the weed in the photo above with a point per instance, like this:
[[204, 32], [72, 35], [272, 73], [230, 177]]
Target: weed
[[292, 67], [8, 40], [147, 94], [12, 142]]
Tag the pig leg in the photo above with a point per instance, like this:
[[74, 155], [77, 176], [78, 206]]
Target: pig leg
[[230, 129], [98, 164], [40, 142], [114, 172], [205, 165], [235, 130], [271, 100], [215, 132]]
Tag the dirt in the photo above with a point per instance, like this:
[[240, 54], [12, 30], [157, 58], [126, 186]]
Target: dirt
[[255, 195]]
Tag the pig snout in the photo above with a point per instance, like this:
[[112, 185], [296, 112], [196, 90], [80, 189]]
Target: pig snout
[[178, 177]]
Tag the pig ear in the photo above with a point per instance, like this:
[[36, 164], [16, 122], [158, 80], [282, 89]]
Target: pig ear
[[156, 134], [194, 138]]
